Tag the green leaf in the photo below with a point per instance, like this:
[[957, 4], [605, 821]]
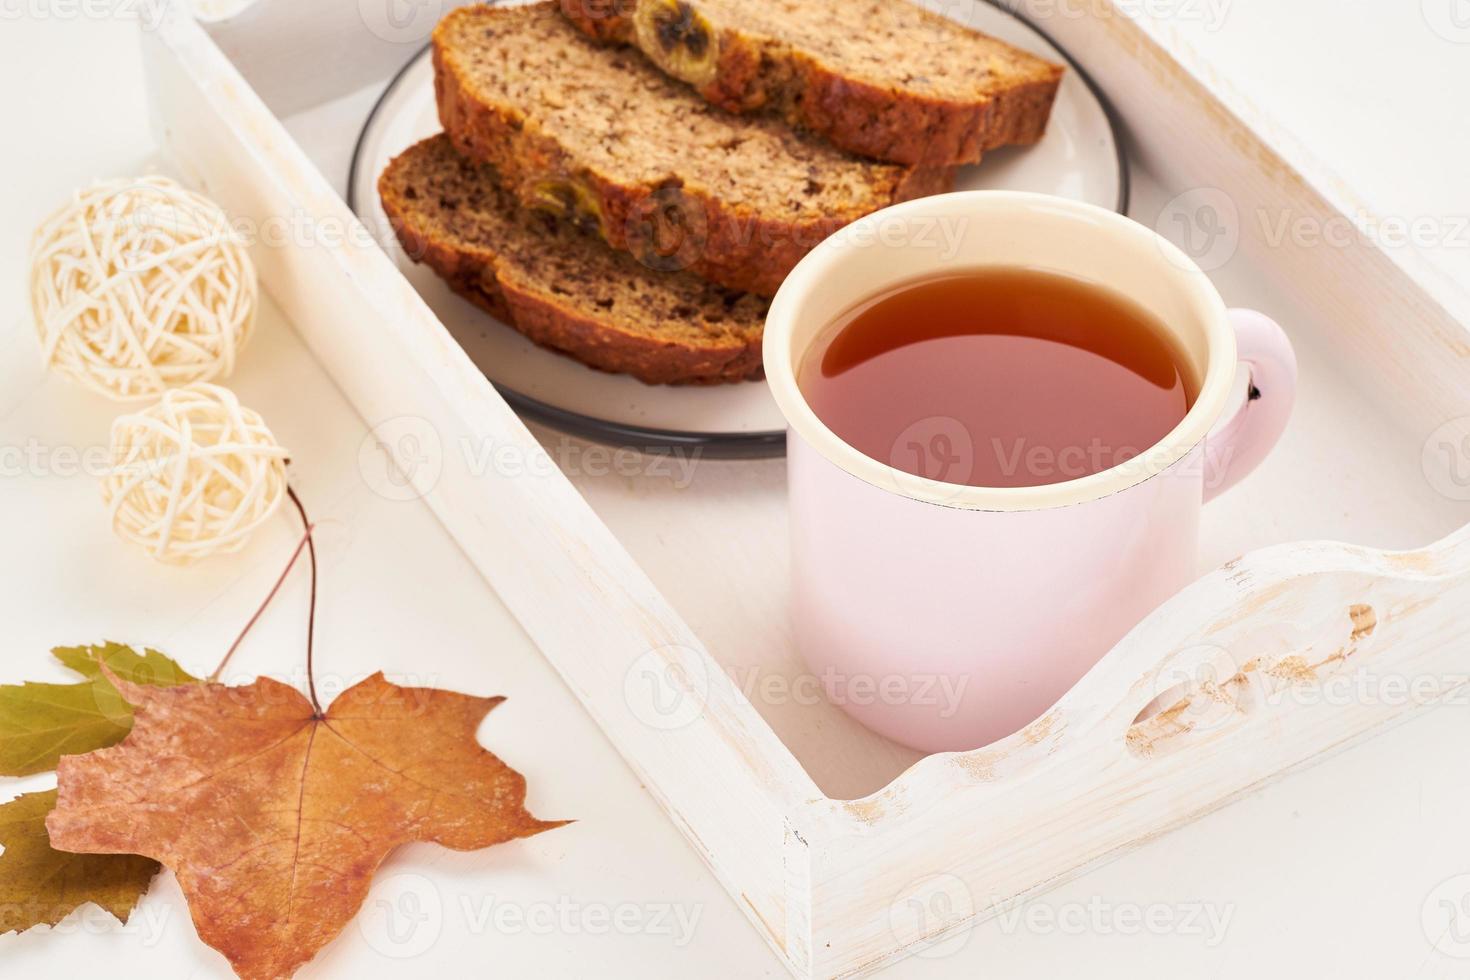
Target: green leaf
[[40, 723], [151, 668], [41, 886]]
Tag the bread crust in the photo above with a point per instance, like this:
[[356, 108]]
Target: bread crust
[[898, 126], [476, 275], [667, 225]]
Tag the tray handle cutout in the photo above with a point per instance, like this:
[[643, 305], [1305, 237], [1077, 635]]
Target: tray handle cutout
[[1208, 689]]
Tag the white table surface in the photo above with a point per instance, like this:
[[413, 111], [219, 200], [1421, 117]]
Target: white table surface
[[1328, 872]]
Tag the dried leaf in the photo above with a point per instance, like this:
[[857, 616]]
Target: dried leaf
[[41, 886], [274, 819], [39, 723]]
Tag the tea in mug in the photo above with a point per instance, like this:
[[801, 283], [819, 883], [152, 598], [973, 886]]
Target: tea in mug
[[999, 377]]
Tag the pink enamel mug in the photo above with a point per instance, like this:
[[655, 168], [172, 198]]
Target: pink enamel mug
[[946, 616]]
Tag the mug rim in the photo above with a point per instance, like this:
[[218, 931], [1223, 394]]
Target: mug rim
[[802, 421]]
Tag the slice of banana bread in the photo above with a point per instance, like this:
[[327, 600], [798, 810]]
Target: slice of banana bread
[[596, 134], [884, 78], [562, 288]]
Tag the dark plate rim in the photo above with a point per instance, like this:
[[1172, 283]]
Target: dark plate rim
[[764, 444]]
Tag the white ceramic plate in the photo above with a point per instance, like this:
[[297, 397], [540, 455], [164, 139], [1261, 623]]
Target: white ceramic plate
[[1078, 158]]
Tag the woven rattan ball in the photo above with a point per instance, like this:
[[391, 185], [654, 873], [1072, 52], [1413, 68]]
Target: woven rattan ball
[[140, 285], [193, 475]]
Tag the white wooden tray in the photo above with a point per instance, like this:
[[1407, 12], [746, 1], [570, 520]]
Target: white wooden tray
[[660, 599]]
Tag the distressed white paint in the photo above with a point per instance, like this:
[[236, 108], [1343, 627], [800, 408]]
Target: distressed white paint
[[827, 882], [555, 565]]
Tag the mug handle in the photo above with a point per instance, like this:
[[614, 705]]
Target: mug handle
[[1241, 440]]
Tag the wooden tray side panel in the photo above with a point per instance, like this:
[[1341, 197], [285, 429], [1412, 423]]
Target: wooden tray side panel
[[691, 736], [1400, 318], [1263, 666]]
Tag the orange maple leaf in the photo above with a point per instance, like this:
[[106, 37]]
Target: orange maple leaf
[[275, 818]]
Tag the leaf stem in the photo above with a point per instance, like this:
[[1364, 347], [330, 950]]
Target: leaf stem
[[316, 704], [309, 544], [280, 579]]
